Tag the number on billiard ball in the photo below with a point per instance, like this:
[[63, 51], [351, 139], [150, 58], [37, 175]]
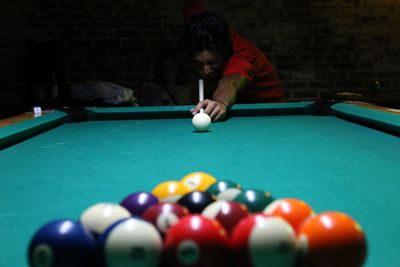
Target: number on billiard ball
[[62, 243], [196, 241], [164, 215], [198, 181], [131, 242]]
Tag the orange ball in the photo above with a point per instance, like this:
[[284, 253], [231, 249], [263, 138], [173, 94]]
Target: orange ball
[[198, 181], [294, 211], [332, 239]]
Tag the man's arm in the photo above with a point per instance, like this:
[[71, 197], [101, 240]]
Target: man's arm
[[223, 98]]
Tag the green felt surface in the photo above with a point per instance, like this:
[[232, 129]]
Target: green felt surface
[[380, 118], [330, 163], [19, 131]]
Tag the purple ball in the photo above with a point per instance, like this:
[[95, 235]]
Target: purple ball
[[138, 202]]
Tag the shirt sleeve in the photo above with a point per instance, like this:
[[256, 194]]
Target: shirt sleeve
[[241, 63], [243, 59]]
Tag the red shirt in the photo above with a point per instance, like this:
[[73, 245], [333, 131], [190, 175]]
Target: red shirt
[[248, 61]]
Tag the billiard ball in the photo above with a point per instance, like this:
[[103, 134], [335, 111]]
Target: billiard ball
[[199, 181], [164, 215], [62, 243], [101, 215], [138, 202], [196, 201], [201, 122], [294, 211], [220, 186], [196, 241], [332, 239], [262, 240], [227, 213], [170, 191], [229, 194], [256, 200], [131, 242]]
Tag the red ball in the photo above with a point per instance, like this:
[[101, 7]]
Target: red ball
[[164, 215], [262, 240], [332, 239], [196, 241], [227, 213], [294, 211]]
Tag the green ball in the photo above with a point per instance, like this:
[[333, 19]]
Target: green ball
[[255, 200], [220, 186]]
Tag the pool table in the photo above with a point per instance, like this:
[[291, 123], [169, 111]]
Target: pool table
[[334, 155]]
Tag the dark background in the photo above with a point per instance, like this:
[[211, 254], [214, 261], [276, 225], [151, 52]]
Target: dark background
[[319, 47]]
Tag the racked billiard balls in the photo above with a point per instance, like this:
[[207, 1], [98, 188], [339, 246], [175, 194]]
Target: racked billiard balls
[[62, 243], [220, 186], [138, 202], [227, 213], [199, 181], [256, 200], [131, 242], [164, 215], [196, 241], [332, 239], [100, 216], [170, 191], [196, 201], [294, 211], [229, 194], [262, 240]]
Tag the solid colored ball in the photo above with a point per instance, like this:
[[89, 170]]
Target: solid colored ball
[[138, 202], [101, 215], [262, 240], [332, 239], [196, 201], [294, 211], [164, 215], [201, 122], [199, 181], [227, 213], [170, 191], [196, 241], [131, 242], [255, 200], [62, 243], [220, 186]]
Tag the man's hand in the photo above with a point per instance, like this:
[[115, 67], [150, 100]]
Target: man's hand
[[215, 109]]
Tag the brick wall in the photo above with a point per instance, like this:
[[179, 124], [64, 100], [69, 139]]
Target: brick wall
[[318, 46]]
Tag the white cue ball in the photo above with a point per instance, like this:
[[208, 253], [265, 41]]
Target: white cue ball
[[201, 122]]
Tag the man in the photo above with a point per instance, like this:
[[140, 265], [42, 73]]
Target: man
[[234, 69]]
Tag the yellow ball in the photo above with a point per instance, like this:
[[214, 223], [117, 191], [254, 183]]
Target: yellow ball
[[170, 191], [198, 181]]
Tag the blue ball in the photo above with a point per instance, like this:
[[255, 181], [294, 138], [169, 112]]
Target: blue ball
[[62, 243]]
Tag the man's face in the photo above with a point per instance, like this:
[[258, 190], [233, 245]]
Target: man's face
[[207, 64]]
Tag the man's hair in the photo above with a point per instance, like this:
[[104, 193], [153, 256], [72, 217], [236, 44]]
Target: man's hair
[[206, 31]]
